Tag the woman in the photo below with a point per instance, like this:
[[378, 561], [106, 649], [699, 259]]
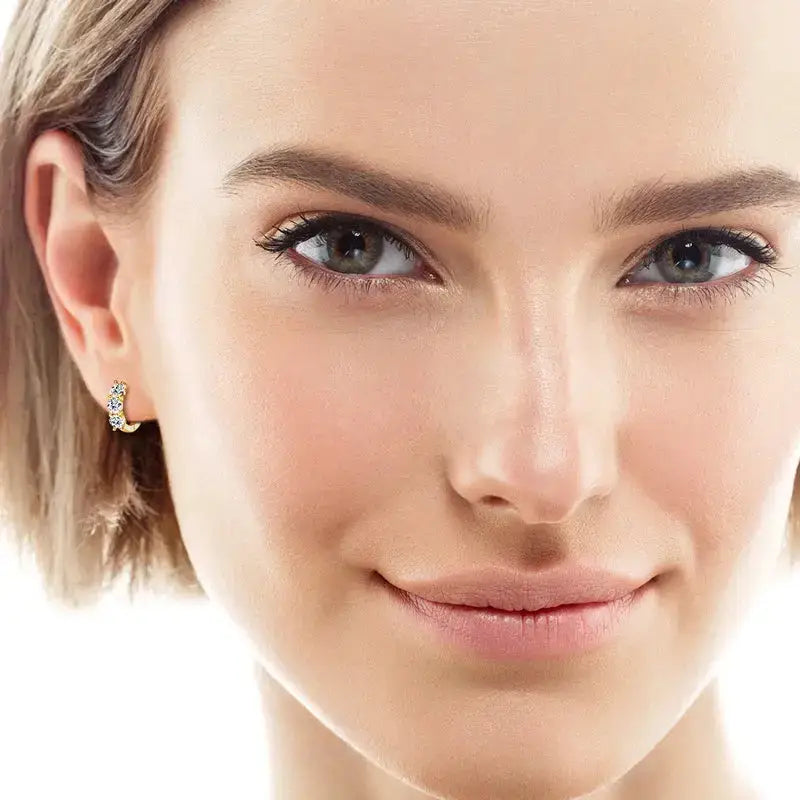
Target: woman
[[453, 349]]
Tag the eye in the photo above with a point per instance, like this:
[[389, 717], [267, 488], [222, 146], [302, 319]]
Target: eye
[[702, 264], [348, 251]]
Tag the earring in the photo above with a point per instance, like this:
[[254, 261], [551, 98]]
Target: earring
[[116, 416]]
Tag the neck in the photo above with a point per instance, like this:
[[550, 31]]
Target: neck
[[307, 759]]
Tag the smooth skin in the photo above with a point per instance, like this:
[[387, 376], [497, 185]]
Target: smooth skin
[[522, 408]]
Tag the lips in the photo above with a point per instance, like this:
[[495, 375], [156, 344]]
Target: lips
[[511, 590]]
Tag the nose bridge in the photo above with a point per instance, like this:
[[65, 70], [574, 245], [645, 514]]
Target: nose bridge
[[540, 436]]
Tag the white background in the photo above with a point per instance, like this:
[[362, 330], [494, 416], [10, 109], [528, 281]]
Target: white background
[[6, 10], [151, 700], [156, 700]]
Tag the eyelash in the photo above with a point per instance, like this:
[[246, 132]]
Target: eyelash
[[764, 255]]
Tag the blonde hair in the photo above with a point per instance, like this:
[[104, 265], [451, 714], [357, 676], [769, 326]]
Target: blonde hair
[[90, 503]]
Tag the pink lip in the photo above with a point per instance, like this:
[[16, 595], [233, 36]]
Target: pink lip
[[518, 591], [502, 613]]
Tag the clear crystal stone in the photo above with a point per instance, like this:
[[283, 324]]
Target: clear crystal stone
[[114, 405], [116, 421], [118, 388]]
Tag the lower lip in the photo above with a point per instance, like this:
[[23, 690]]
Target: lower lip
[[497, 634]]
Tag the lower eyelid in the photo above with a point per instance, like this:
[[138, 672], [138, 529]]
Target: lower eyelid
[[709, 293]]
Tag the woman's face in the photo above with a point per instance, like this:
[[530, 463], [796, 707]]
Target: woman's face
[[502, 395]]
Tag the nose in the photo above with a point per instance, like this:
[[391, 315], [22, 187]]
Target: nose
[[538, 438]]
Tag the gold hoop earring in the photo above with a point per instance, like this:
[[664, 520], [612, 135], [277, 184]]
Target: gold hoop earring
[[116, 414]]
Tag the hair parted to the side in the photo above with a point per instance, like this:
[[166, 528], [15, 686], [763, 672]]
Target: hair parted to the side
[[88, 503]]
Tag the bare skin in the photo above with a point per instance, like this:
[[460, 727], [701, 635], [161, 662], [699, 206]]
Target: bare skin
[[525, 410]]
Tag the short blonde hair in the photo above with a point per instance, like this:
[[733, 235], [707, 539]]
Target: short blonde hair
[[89, 502]]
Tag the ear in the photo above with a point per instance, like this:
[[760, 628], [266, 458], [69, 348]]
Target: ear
[[82, 272]]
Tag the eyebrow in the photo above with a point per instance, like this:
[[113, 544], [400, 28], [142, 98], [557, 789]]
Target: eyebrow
[[659, 201], [345, 175], [645, 202]]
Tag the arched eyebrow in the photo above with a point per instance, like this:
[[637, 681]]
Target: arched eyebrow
[[346, 175], [662, 201], [643, 203]]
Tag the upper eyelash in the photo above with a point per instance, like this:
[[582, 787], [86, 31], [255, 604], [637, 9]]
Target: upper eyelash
[[302, 231], [326, 222], [760, 252]]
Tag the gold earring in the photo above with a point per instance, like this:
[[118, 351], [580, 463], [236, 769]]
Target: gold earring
[[116, 415]]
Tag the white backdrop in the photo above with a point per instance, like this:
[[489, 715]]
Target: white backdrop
[[6, 10], [153, 700]]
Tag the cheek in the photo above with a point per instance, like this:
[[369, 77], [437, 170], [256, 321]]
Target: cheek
[[288, 432], [713, 439]]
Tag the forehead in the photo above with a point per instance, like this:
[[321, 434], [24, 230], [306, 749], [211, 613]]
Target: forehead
[[518, 100]]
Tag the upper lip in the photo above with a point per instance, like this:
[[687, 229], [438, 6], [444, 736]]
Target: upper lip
[[511, 590]]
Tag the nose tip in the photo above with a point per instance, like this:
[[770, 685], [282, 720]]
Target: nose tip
[[521, 481]]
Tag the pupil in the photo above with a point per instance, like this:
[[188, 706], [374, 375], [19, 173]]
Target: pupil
[[344, 251], [689, 255]]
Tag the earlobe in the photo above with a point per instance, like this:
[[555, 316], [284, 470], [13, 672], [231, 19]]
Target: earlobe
[[78, 264]]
